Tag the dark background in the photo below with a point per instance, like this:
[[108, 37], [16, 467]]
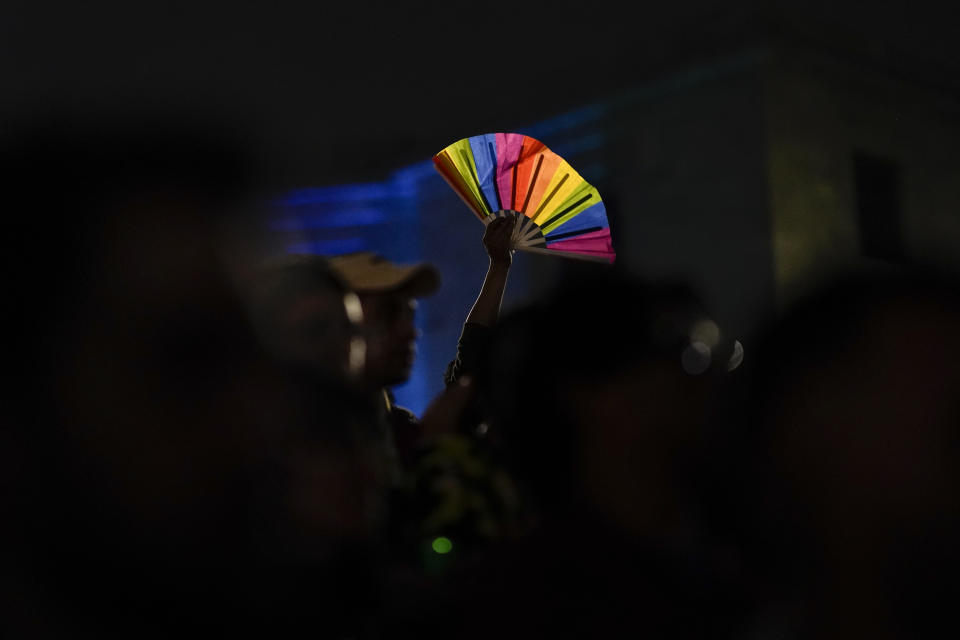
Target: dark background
[[339, 92]]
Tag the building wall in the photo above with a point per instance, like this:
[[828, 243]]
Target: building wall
[[819, 112], [690, 185]]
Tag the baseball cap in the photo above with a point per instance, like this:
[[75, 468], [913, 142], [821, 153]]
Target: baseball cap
[[368, 272]]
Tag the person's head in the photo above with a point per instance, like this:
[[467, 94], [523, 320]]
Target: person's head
[[593, 397], [151, 437], [388, 294], [854, 447], [305, 316]]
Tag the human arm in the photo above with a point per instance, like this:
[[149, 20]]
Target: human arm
[[496, 240], [486, 309]]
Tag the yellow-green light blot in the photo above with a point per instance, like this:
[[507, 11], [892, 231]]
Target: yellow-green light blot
[[442, 545]]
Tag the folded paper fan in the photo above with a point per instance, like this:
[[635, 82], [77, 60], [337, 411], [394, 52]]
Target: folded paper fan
[[500, 174]]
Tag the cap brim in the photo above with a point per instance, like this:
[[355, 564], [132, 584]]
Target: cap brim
[[416, 280], [424, 280], [367, 274]]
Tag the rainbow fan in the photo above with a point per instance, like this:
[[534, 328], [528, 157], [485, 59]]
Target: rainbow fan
[[499, 174]]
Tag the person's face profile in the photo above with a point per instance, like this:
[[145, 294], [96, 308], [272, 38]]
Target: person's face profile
[[390, 335]]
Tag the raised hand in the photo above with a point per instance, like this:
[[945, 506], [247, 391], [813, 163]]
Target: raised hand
[[496, 239]]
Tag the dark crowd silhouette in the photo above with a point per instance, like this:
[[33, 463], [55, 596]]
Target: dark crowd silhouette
[[201, 435]]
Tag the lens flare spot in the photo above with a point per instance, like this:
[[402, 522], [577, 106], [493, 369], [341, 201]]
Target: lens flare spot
[[695, 358], [737, 356], [442, 545], [707, 332]]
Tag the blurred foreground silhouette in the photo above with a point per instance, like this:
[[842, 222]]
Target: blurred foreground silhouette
[[847, 473], [169, 472]]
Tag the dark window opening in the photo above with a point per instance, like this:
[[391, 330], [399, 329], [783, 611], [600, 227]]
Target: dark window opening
[[877, 184]]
